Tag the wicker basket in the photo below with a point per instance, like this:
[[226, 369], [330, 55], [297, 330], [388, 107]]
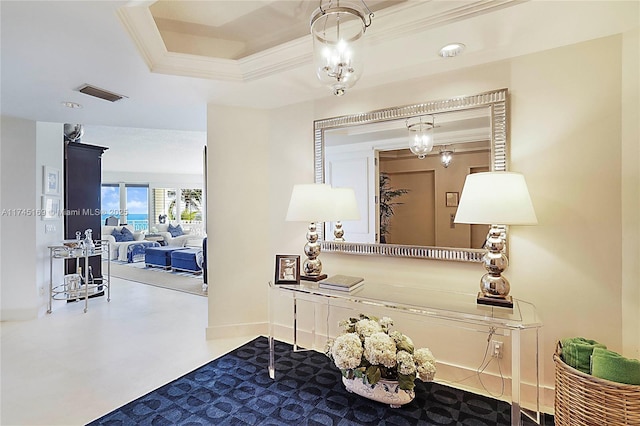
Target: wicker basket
[[582, 399]]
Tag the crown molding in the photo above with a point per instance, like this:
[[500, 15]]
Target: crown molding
[[411, 18], [139, 24], [399, 21]]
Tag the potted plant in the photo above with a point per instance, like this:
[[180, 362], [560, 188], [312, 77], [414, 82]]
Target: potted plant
[[387, 194], [379, 363]]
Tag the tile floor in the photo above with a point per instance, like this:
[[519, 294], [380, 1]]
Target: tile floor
[[70, 367]]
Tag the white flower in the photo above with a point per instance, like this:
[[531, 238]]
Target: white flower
[[367, 327], [347, 351], [344, 324], [385, 322], [369, 341], [402, 342], [396, 336], [379, 348], [425, 364], [406, 365]]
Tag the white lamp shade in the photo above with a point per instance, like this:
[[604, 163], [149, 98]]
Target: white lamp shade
[[499, 198], [311, 203], [345, 204]]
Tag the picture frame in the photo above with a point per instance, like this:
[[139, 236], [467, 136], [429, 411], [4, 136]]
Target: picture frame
[[50, 181], [452, 199], [50, 207], [287, 269]]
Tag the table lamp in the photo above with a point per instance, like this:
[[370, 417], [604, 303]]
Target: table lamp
[[311, 203], [495, 198], [346, 209]]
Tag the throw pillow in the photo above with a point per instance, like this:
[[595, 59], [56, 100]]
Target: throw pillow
[[117, 235], [175, 231], [126, 235]]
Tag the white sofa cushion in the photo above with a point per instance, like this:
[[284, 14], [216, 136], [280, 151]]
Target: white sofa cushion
[[163, 229], [113, 245]]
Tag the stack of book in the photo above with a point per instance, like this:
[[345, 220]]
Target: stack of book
[[341, 283]]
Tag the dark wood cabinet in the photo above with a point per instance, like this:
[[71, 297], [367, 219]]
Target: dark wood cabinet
[[82, 196]]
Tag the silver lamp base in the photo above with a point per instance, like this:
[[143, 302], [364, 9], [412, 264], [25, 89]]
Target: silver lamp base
[[312, 267], [505, 302], [314, 278], [494, 288]]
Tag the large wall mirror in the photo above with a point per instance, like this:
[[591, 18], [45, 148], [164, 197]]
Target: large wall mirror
[[406, 203]]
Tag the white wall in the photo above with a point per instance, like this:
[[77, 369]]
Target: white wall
[[26, 147], [237, 229], [631, 194], [565, 136], [49, 152]]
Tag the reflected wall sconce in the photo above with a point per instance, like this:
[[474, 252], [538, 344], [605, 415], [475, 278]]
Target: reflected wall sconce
[[495, 198], [337, 30], [446, 156], [421, 139]]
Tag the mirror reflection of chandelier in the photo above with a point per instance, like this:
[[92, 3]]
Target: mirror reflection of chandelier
[[446, 156], [421, 135], [337, 32]]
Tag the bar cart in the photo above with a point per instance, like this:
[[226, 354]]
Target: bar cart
[[80, 285]]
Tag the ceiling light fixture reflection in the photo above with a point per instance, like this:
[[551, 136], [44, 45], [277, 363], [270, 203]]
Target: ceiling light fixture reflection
[[421, 140], [446, 156], [451, 50]]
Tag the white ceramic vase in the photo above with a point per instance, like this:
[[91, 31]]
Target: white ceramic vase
[[385, 391]]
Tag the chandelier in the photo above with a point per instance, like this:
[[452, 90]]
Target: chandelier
[[446, 156], [421, 140], [337, 32]]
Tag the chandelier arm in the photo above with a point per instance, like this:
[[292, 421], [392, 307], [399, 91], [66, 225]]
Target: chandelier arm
[[369, 12]]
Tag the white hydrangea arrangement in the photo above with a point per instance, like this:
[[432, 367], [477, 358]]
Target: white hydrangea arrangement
[[370, 350]]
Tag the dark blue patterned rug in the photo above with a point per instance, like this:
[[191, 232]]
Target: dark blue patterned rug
[[236, 390]]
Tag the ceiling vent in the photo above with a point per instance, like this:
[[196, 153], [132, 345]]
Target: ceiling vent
[[97, 92]]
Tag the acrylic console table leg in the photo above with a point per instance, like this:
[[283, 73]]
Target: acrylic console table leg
[[515, 377], [272, 364]]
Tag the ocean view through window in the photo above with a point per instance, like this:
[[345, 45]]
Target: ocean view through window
[[132, 209], [143, 207]]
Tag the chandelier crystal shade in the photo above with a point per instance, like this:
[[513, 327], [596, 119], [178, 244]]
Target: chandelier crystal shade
[[421, 139], [446, 156], [337, 31]]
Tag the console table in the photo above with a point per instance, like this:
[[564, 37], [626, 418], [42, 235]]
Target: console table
[[455, 309]]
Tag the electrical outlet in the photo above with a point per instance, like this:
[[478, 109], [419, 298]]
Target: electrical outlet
[[496, 347]]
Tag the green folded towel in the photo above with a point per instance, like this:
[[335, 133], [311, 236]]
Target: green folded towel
[[576, 352], [612, 366]]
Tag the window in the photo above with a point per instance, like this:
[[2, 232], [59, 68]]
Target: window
[[167, 207], [133, 210], [110, 202], [138, 206]]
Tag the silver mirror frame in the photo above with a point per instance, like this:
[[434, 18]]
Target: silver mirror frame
[[496, 100]]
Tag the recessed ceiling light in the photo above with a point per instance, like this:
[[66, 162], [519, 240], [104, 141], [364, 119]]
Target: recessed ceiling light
[[72, 105], [451, 50]]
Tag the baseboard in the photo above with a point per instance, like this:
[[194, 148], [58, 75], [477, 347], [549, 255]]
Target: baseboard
[[235, 330]]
